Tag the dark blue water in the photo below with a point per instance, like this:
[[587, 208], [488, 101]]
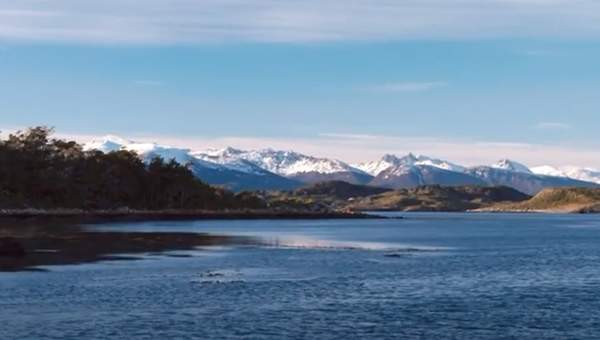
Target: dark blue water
[[429, 276]]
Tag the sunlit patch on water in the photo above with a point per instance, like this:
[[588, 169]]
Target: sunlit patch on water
[[303, 242]]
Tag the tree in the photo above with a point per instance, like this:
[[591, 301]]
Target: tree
[[37, 171]]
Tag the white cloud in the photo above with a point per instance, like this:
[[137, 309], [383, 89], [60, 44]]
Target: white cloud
[[407, 87], [552, 126], [193, 21]]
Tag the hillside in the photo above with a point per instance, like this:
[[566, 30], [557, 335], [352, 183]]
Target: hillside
[[340, 190], [321, 196], [437, 198], [559, 200]]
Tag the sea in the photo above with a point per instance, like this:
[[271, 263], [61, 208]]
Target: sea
[[424, 276]]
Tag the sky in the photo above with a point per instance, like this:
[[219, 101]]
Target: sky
[[465, 80]]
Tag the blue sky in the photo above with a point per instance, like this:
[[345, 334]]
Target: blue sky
[[473, 83]]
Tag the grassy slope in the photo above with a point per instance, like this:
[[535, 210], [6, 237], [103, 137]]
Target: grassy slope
[[565, 200], [436, 198]]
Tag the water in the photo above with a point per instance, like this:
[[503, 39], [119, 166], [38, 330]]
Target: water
[[435, 276]]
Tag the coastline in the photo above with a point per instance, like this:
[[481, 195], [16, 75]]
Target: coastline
[[535, 211], [101, 216], [498, 211], [32, 238]]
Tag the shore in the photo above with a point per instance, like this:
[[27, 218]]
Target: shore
[[34, 238], [100, 216], [567, 209]]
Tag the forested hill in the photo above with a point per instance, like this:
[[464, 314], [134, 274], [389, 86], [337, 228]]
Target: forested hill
[[37, 171]]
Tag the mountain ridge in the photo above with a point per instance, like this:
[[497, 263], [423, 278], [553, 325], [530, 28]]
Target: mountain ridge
[[266, 169]]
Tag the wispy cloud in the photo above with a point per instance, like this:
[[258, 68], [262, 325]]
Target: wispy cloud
[[187, 21], [400, 87], [552, 126]]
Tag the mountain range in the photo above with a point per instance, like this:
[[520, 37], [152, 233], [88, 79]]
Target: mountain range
[[269, 169]]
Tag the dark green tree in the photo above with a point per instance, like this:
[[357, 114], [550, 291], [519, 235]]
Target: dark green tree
[[37, 171]]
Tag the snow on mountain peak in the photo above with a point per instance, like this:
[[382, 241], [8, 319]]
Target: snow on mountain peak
[[147, 151], [107, 143], [289, 163], [404, 164], [229, 157], [152, 150], [285, 163], [507, 164], [573, 172], [224, 152], [547, 170], [376, 167]]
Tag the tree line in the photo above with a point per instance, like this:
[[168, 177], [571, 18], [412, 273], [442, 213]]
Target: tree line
[[37, 171]]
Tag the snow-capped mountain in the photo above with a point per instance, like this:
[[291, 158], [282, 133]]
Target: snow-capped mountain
[[528, 183], [411, 171], [146, 150], [288, 164], [404, 164], [582, 174], [236, 175], [230, 158], [106, 144], [282, 170], [507, 164], [547, 170], [285, 163], [418, 175]]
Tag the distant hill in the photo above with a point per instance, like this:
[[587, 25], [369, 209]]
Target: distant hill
[[235, 180], [321, 196], [559, 200], [353, 177], [340, 190], [437, 198]]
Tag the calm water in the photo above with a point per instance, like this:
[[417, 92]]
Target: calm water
[[428, 276]]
